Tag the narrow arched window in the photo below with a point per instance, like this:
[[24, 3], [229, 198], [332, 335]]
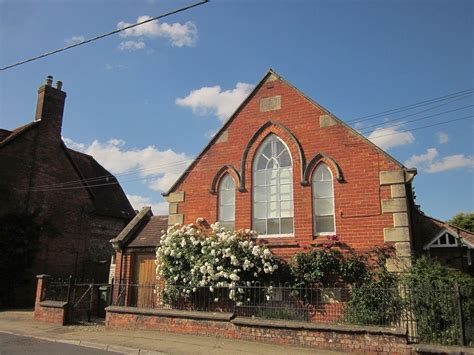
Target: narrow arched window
[[323, 200], [272, 188], [227, 202]]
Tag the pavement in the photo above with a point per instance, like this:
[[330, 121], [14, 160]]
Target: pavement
[[97, 337]]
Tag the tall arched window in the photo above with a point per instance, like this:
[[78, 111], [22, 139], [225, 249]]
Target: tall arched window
[[227, 202], [323, 200], [272, 188]]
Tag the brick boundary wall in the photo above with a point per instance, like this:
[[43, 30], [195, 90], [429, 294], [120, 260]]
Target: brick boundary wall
[[52, 312], [376, 340], [48, 311]]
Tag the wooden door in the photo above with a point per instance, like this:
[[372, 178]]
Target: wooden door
[[145, 280]]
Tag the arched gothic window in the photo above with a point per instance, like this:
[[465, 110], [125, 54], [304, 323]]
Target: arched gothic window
[[323, 201], [272, 188], [227, 202]]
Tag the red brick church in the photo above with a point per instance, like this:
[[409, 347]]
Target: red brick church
[[286, 167]]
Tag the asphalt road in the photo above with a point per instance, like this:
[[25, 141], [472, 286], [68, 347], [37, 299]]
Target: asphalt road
[[15, 344]]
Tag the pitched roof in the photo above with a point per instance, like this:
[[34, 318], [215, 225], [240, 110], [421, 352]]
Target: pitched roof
[[462, 233], [150, 233], [144, 230], [6, 138], [108, 200], [270, 73]]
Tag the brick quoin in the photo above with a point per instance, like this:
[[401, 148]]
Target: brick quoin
[[359, 218]]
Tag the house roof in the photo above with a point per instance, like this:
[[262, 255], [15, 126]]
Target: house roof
[[149, 235], [108, 200], [144, 230], [7, 136], [270, 73], [465, 235]]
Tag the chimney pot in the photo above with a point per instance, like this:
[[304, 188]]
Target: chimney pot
[[49, 80], [59, 85]]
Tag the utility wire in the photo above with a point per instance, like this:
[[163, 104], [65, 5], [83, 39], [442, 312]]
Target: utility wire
[[144, 178], [112, 176], [103, 35], [414, 120], [423, 127], [411, 106], [98, 178]]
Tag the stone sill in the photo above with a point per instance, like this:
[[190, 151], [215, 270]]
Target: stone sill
[[172, 313], [282, 324], [53, 304]]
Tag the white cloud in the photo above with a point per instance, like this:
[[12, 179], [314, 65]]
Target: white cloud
[[74, 40], [159, 169], [180, 35], [442, 137], [390, 137], [211, 99], [131, 45], [422, 159], [451, 162], [429, 163], [158, 208]]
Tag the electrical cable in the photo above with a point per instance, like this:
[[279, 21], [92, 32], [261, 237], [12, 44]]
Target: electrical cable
[[47, 54]]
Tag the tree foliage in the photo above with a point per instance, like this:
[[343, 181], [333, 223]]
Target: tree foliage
[[464, 221]]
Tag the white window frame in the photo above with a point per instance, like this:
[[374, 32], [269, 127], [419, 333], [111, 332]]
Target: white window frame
[[255, 162], [220, 202], [313, 199]]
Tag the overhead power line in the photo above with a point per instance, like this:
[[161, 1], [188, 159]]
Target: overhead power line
[[410, 121], [80, 182], [412, 106], [423, 127], [47, 54], [112, 176], [144, 178]]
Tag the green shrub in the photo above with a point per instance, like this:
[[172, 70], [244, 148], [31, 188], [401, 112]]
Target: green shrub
[[376, 301], [435, 303]]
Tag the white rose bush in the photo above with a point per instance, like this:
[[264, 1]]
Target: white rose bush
[[196, 257]]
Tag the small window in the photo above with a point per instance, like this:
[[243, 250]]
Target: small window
[[227, 202], [323, 201]]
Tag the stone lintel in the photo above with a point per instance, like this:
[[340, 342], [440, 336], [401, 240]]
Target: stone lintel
[[398, 190], [326, 121], [175, 218], [400, 219], [270, 103], [177, 196], [397, 234], [394, 205], [173, 208], [223, 137]]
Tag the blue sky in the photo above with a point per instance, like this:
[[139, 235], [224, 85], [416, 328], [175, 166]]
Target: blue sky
[[129, 95]]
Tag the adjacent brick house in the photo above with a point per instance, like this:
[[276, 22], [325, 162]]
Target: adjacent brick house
[[36, 166]]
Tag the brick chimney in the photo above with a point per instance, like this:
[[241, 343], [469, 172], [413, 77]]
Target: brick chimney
[[50, 107]]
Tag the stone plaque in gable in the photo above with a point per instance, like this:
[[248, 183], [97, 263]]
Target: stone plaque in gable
[[270, 103]]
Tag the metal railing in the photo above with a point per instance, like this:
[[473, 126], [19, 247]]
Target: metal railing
[[428, 314]]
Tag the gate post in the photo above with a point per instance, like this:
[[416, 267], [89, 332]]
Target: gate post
[[460, 315]]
